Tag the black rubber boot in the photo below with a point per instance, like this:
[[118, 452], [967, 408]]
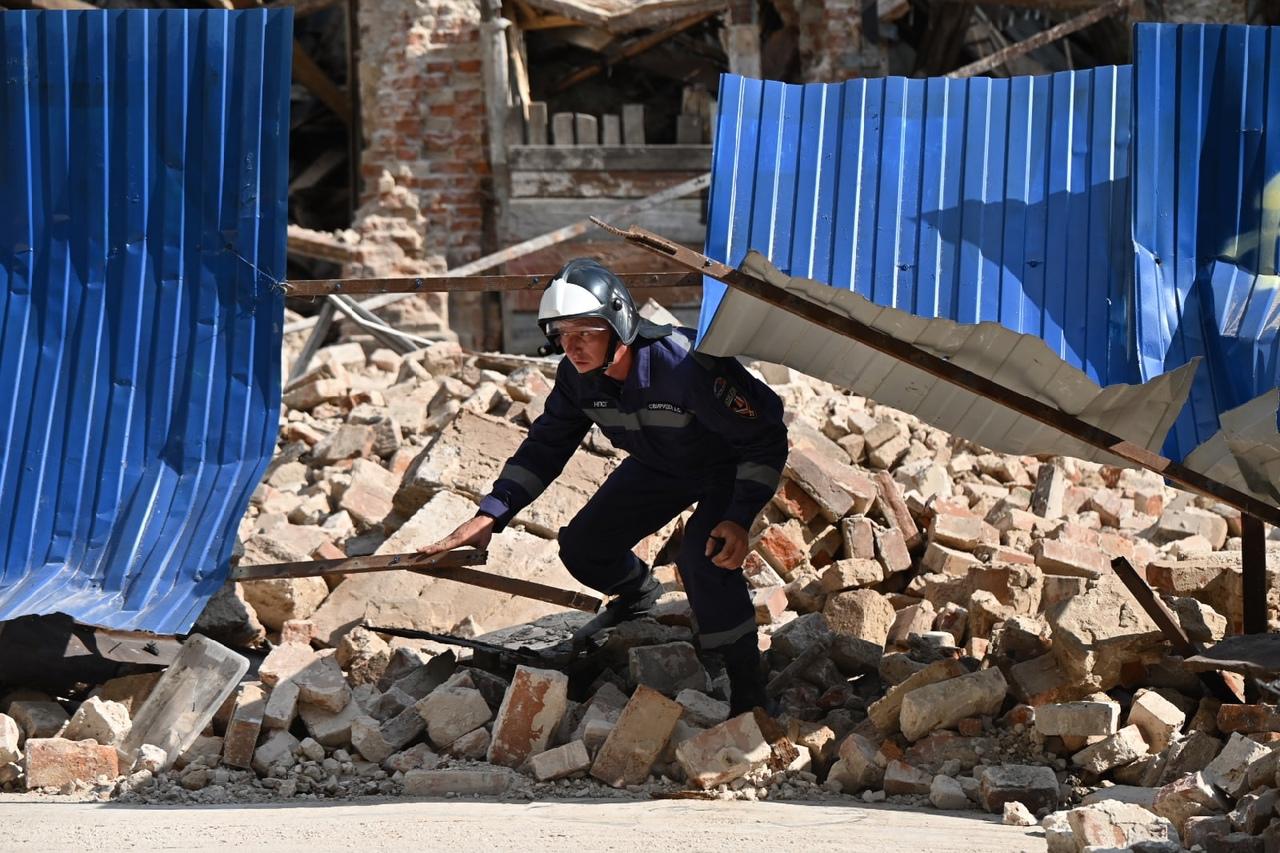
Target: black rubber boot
[[746, 680], [625, 606], [635, 602]]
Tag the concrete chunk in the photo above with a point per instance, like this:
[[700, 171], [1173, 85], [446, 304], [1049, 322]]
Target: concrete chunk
[[451, 712], [366, 738], [530, 712], [568, 760], [885, 712], [282, 706], [1187, 797], [860, 613], [1113, 824], [1121, 748], [636, 741], [1157, 718], [185, 698], [284, 662], [38, 718], [279, 747], [668, 668], [701, 710], [723, 753], [489, 782], [901, 779], [1230, 770], [280, 600], [104, 721], [1078, 719], [323, 685], [944, 704], [1034, 787], [10, 738]]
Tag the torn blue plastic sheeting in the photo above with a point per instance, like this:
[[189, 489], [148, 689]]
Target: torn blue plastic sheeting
[[1206, 224], [142, 241], [971, 200]]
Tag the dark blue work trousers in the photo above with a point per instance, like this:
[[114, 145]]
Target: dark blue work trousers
[[637, 500]]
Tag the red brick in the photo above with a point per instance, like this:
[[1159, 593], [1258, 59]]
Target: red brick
[[55, 762], [530, 712]]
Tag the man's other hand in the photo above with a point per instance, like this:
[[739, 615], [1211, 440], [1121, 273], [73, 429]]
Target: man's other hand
[[734, 549], [475, 532]]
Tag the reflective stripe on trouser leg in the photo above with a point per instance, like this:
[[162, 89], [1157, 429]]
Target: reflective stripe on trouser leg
[[724, 638]]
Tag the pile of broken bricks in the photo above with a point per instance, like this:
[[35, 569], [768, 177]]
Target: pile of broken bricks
[[941, 624]]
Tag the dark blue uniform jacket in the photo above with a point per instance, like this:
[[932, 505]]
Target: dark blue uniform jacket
[[682, 413]]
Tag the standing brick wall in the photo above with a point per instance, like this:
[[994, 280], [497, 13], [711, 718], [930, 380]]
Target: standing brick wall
[[423, 115]]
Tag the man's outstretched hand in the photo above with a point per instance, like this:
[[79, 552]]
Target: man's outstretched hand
[[475, 532], [733, 551]]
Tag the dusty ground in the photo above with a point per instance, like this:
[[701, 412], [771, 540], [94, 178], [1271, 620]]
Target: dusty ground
[[491, 827]]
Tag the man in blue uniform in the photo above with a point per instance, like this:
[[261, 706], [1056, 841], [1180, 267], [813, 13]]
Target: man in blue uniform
[[698, 429]]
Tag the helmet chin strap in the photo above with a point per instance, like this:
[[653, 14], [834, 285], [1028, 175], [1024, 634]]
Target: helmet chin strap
[[614, 343]]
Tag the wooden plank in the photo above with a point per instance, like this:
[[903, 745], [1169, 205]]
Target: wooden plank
[[538, 243], [688, 129], [537, 125], [638, 281], [311, 76], [514, 128], [561, 132], [610, 129], [1040, 39], [525, 218], [633, 125], [318, 168], [1253, 573], [585, 130], [632, 48], [324, 321], [662, 158], [359, 565], [945, 370], [450, 566], [497, 87], [519, 70], [592, 184]]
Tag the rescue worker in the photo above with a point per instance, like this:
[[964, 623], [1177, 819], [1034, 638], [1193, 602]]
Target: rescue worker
[[698, 429]]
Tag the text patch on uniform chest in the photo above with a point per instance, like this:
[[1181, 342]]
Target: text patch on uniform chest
[[652, 414]]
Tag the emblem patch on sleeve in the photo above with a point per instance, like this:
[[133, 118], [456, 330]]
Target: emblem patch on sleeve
[[733, 401]]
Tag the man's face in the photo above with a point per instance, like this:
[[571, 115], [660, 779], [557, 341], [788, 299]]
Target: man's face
[[585, 342]]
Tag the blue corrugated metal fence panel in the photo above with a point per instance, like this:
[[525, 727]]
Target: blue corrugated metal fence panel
[[1002, 200], [1206, 222], [142, 239]]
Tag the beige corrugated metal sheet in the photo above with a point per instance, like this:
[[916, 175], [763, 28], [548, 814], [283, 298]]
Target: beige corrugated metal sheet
[[1244, 453], [1023, 363]]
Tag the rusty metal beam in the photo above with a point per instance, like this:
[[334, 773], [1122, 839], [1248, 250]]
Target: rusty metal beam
[[1169, 625], [1253, 573], [450, 566], [1040, 39], [472, 284], [934, 365]]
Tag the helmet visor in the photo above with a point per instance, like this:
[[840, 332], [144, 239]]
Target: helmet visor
[[555, 328]]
